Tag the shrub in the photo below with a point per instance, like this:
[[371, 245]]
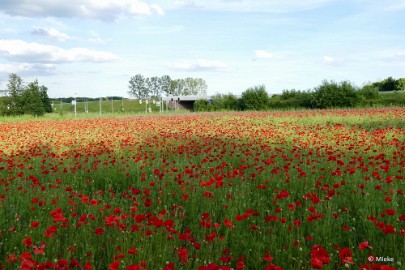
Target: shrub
[[333, 95], [255, 99]]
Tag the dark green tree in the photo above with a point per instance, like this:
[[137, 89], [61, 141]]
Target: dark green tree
[[46, 101], [255, 98], [388, 84], [32, 101]]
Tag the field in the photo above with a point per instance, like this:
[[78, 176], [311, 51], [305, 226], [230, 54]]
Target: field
[[124, 106], [269, 190]]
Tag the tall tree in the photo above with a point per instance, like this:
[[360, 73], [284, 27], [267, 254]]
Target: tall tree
[[46, 101], [188, 86], [200, 87], [177, 87], [153, 84], [137, 87], [165, 82], [32, 102], [15, 89]]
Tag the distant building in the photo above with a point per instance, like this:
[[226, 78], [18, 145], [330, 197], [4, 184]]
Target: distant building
[[183, 102]]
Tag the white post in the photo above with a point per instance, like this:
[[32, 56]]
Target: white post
[[75, 103], [100, 106]]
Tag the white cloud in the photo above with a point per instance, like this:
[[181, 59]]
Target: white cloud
[[188, 4], [328, 59], [27, 68], [261, 54], [400, 55], [98, 40], [50, 33], [397, 5], [98, 9], [199, 65], [158, 9], [258, 5], [21, 51]]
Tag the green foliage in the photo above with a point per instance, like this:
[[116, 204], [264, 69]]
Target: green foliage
[[137, 87], [388, 99], [390, 84], [255, 99], [201, 106], [400, 86], [291, 99], [369, 95], [31, 99], [46, 101], [221, 102], [15, 89], [218, 102], [165, 82], [153, 86], [141, 87], [335, 95], [188, 87]]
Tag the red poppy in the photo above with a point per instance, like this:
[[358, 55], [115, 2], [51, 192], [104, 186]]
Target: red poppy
[[363, 245], [99, 231], [27, 241], [183, 255], [345, 255]]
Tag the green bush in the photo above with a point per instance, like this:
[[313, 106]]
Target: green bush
[[255, 99], [335, 95], [201, 105]]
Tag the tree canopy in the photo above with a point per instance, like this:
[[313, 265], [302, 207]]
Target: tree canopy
[[155, 87], [24, 99]]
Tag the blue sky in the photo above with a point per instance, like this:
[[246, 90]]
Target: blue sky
[[93, 47]]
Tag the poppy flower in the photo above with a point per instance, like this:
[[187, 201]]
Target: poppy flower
[[27, 241], [363, 245], [99, 231], [345, 255]]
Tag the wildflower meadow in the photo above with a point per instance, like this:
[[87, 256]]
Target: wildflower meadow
[[320, 189]]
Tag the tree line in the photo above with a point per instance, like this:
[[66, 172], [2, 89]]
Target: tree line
[[329, 94], [20, 98], [142, 87], [390, 84]]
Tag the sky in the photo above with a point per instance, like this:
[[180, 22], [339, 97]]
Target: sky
[[93, 47]]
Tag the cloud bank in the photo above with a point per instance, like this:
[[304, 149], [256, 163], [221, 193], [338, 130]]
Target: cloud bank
[[21, 51], [91, 9]]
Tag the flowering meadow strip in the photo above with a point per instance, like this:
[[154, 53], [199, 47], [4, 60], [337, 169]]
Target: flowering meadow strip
[[269, 190]]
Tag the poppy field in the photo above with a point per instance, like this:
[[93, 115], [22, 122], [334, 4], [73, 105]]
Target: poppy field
[[253, 190]]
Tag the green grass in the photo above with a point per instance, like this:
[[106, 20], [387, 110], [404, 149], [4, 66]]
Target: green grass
[[113, 107]]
